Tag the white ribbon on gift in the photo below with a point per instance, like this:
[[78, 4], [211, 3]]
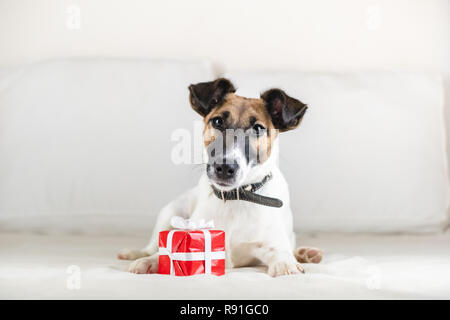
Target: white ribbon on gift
[[178, 222], [208, 255]]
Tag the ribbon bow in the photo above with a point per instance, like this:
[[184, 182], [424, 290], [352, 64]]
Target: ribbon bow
[[180, 223]]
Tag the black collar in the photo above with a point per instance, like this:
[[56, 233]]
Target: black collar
[[247, 193]]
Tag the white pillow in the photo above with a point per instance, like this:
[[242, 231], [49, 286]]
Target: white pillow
[[370, 153], [93, 137], [82, 140]]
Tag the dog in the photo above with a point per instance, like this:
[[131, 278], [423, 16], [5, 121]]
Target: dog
[[242, 189]]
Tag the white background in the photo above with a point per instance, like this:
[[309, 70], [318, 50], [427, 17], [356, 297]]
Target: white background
[[312, 35], [308, 35], [321, 35]]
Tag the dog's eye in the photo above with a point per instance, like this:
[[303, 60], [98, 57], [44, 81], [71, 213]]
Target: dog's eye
[[217, 122], [258, 128]]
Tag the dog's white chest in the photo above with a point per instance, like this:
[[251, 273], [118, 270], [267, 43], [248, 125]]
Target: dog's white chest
[[246, 224]]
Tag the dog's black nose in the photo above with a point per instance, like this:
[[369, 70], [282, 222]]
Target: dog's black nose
[[225, 171]]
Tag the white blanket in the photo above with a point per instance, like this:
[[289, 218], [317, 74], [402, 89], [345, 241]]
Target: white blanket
[[36, 266]]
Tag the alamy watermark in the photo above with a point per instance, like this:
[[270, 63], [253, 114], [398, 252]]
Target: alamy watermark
[[73, 17], [73, 281], [199, 146], [374, 18]]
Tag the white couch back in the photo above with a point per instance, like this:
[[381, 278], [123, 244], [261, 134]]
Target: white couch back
[[370, 153], [86, 144], [93, 137]]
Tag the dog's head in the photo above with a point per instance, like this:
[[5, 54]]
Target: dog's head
[[240, 132]]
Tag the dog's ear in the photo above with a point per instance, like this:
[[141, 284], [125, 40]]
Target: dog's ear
[[286, 112], [205, 96]]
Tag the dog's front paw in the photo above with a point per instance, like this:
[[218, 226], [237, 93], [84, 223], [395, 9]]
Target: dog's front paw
[[281, 268], [144, 265], [308, 255]]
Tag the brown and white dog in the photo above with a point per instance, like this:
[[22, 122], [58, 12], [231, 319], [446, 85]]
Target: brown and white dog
[[242, 190]]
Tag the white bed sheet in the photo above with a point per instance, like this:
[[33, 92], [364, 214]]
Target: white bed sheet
[[35, 266]]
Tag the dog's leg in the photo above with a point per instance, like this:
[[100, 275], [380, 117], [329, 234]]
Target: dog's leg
[[145, 265], [128, 254], [183, 206], [308, 255], [279, 261], [162, 223]]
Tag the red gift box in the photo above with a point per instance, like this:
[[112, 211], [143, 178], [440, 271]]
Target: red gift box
[[189, 252]]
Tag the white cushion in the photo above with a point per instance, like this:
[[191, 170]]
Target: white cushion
[[83, 140], [93, 137], [370, 153]]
